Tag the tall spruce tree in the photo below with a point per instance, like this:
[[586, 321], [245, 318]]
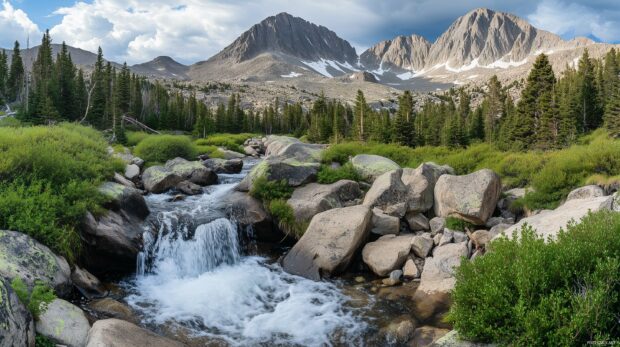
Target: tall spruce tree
[[4, 76], [97, 90], [403, 131], [15, 81], [494, 110], [362, 118], [587, 96], [532, 106]]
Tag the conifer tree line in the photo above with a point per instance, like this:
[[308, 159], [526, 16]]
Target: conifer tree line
[[550, 113]]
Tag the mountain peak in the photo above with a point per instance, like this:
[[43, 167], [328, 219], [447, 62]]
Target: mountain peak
[[288, 35]]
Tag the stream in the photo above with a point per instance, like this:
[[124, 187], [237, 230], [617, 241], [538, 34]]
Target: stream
[[204, 281]]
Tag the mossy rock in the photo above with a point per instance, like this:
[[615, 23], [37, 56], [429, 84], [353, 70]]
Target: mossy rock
[[23, 257], [370, 166], [16, 324]]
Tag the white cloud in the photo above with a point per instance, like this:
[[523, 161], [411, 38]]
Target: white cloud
[[15, 25], [574, 19], [188, 30]]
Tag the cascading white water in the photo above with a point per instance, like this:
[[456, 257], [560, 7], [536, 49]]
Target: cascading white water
[[198, 279]]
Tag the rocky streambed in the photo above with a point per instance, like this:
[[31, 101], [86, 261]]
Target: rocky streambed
[[197, 261]]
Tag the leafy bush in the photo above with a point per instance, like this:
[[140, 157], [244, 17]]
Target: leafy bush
[[231, 142], [532, 293], [160, 148], [211, 151], [135, 137], [328, 175], [266, 190], [10, 122], [36, 301], [457, 224], [48, 181], [284, 214]]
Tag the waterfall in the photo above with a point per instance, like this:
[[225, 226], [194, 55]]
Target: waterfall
[[192, 273]]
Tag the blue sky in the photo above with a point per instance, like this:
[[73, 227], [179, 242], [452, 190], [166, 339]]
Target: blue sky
[[193, 30]]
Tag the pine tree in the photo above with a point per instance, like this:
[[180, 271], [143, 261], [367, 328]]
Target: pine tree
[[494, 109], [40, 104], [362, 117], [402, 127], [612, 109], [15, 81], [587, 97], [476, 128], [65, 83], [4, 76], [97, 87], [523, 133]]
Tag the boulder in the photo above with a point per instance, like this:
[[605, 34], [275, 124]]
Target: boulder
[[498, 229], [420, 183], [388, 193], [591, 191], [192, 171], [371, 166], [120, 179], [446, 237], [548, 223], [251, 151], [459, 236], [421, 245], [383, 224], [16, 325], [426, 335], [137, 161], [398, 333], [329, 243], [417, 221], [248, 211], [157, 179], [111, 308], [386, 254], [63, 323], [437, 224], [224, 166], [23, 257], [274, 144], [116, 332], [294, 173], [132, 172], [113, 241], [493, 221], [410, 269], [432, 298], [300, 152], [228, 154], [87, 283], [314, 198], [125, 198], [470, 197], [188, 188]]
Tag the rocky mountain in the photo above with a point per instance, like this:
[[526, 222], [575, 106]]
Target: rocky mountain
[[162, 66], [477, 45], [281, 46], [402, 52]]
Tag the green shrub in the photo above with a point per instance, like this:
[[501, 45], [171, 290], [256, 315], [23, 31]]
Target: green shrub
[[457, 224], [231, 142], [36, 301], [211, 151], [10, 122], [266, 190], [161, 148], [43, 341], [135, 137], [327, 175], [285, 216], [532, 293], [48, 181]]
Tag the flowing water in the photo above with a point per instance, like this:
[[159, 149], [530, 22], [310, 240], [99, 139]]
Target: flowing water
[[195, 274]]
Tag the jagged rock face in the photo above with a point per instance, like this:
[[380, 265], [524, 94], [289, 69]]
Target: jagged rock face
[[488, 36], [289, 35], [406, 52]]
